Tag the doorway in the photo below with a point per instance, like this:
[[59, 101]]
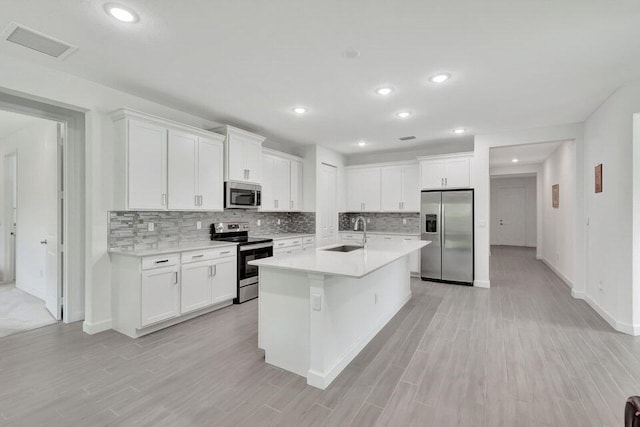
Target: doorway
[[514, 210], [31, 294]]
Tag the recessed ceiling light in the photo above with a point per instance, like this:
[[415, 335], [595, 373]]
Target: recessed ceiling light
[[459, 131], [362, 143], [404, 114], [299, 110], [514, 160], [439, 78], [121, 13], [384, 91]]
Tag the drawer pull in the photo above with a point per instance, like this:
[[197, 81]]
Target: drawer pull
[[197, 256], [225, 252], [162, 261]]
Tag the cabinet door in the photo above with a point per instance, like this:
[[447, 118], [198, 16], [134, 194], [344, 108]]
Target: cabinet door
[[282, 184], [235, 158], [371, 189], [414, 258], [224, 283], [431, 174], [390, 188], [147, 166], [253, 161], [296, 186], [159, 295], [410, 189], [354, 190], [195, 290], [183, 150], [267, 197], [457, 173], [210, 185]]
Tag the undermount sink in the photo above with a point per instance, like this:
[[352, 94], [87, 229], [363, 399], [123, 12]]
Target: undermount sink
[[344, 248]]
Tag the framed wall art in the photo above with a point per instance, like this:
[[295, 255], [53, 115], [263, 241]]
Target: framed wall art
[[555, 195], [598, 187]]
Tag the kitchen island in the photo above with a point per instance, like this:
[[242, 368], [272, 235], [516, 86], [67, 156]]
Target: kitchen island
[[318, 310]]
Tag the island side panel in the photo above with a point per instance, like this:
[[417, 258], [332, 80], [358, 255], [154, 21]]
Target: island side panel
[[353, 312], [284, 319]]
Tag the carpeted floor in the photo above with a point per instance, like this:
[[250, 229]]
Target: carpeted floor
[[20, 311]]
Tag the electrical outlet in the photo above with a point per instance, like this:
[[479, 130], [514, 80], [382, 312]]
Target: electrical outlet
[[404, 221], [600, 286], [151, 226], [278, 221], [368, 220], [258, 222], [198, 225], [353, 220], [316, 302]]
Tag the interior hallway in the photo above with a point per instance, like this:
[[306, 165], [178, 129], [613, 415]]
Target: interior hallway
[[20, 311], [523, 353]]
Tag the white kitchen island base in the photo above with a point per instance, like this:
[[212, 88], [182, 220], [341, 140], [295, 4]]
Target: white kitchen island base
[[315, 324]]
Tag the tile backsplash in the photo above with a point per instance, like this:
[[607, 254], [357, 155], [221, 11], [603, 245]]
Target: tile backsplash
[[129, 230], [383, 222]]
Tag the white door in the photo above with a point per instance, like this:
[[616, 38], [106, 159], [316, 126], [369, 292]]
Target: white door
[[210, 185], [52, 298], [195, 290], [390, 188], [328, 209], [224, 283], [183, 148], [457, 173], [431, 174], [296, 186], [410, 189], [511, 216], [159, 295], [9, 216], [147, 176], [253, 161]]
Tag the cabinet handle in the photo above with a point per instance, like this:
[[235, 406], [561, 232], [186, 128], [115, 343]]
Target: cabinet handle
[[212, 270], [164, 199], [291, 205], [446, 182], [400, 205], [197, 256], [225, 252], [195, 200], [175, 277], [201, 198], [162, 261]]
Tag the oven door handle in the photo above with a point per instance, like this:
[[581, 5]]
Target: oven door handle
[[256, 246]]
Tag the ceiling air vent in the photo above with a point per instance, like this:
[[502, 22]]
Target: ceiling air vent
[[26, 37], [407, 138]]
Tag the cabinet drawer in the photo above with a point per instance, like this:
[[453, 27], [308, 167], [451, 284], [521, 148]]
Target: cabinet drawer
[[160, 261], [307, 240], [208, 254], [286, 243]]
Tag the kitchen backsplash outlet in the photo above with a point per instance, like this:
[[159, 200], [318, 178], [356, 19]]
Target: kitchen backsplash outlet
[[383, 222], [129, 230]]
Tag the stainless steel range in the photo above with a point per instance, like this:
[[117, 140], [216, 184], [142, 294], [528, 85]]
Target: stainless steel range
[[249, 249]]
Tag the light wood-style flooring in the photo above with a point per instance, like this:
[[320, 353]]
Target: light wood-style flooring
[[523, 353]]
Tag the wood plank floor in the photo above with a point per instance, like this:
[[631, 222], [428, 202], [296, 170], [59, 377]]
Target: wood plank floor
[[523, 353]]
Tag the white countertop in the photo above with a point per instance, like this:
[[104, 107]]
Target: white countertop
[[357, 263], [388, 233], [280, 236], [194, 246]]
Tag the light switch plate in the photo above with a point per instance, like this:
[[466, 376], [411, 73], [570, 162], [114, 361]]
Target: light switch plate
[[151, 226], [404, 220], [258, 222], [316, 302], [198, 225]]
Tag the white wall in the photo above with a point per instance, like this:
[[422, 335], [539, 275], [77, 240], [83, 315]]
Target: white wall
[[457, 145], [558, 229], [610, 246], [36, 148], [531, 209]]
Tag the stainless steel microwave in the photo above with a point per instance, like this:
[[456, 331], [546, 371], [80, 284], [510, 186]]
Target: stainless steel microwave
[[238, 195]]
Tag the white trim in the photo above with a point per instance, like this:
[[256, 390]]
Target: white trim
[[623, 327], [486, 284], [447, 156], [557, 272], [94, 328], [384, 164], [316, 379], [281, 154], [226, 129], [577, 294]]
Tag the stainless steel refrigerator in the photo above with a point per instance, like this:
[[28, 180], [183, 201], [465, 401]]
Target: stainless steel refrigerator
[[447, 221]]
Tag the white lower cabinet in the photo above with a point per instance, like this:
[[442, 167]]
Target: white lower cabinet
[[151, 293], [350, 238], [293, 245], [159, 295]]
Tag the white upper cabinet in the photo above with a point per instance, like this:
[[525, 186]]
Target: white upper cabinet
[[144, 157], [363, 189], [243, 155], [164, 165], [400, 191], [281, 182], [445, 172]]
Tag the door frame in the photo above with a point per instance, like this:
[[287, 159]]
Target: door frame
[[72, 239], [10, 255], [526, 213]]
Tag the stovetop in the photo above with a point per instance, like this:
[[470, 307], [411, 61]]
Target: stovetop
[[242, 240]]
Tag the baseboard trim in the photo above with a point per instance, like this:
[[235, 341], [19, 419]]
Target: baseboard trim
[[322, 381], [626, 328], [486, 284], [577, 294], [557, 272], [94, 328]]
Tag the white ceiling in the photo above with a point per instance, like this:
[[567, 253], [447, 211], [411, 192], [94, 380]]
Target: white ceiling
[[528, 154], [515, 63], [12, 122]]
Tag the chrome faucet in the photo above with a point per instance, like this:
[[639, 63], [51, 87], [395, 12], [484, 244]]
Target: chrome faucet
[[364, 230]]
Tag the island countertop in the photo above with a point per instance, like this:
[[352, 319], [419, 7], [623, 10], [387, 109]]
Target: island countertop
[[356, 263]]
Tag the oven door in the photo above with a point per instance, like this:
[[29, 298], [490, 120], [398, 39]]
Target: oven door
[[243, 196], [248, 274]]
